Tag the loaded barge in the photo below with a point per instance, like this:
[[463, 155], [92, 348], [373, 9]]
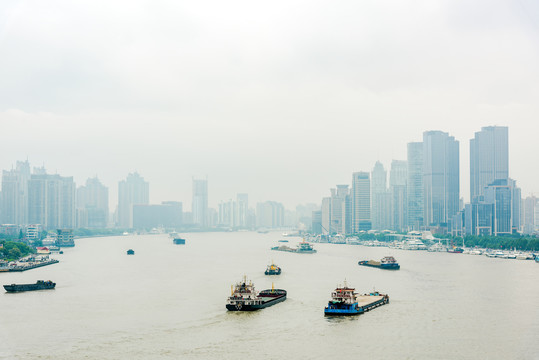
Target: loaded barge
[[387, 263], [303, 248], [345, 302], [39, 285], [245, 298]]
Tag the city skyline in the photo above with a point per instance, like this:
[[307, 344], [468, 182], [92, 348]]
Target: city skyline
[[257, 100]]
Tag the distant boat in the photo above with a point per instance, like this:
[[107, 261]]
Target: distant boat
[[272, 270], [39, 285], [387, 263], [130, 252], [178, 241]]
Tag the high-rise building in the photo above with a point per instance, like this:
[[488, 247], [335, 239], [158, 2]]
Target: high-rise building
[[529, 215], [269, 214], [325, 219], [93, 201], [339, 198], [414, 185], [166, 215], [441, 187], [380, 198], [316, 227], [398, 178], [361, 202], [489, 159], [500, 194], [200, 202], [51, 201], [134, 190], [14, 195]]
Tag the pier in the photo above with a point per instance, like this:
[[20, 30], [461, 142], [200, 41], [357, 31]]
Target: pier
[[29, 266]]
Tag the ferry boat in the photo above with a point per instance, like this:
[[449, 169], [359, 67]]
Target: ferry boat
[[245, 298], [272, 270], [39, 285], [387, 263]]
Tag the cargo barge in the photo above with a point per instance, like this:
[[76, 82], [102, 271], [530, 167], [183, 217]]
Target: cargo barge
[[245, 298], [303, 248], [387, 263], [39, 285], [345, 302], [32, 265]]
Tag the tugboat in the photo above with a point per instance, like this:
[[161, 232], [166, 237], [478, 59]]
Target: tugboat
[[272, 270], [39, 285], [130, 252], [387, 263], [245, 298]]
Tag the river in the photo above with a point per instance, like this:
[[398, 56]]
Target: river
[[168, 302]]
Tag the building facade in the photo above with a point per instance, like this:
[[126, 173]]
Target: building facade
[[134, 190], [361, 202]]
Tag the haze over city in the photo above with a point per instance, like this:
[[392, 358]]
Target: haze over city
[[256, 101]]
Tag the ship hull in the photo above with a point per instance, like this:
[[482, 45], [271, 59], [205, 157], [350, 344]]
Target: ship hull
[[29, 287], [379, 266], [268, 301]]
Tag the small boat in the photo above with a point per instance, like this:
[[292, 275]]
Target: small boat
[[283, 240], [130, 252], [387, 263], [272, 270], [39, 285], [178, 241], [455, 250], [245, 298]]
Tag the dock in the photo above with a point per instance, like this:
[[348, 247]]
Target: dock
[[30, 266], [368, 302]]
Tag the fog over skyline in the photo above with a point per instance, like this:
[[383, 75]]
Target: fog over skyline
[[279, 100]]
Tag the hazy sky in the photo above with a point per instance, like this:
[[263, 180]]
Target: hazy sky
[[281, 100]]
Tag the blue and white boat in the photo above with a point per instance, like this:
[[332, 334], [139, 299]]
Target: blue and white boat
[[343, 302]]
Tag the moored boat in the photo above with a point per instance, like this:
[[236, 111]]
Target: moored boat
[[39, 285], [245, 298]]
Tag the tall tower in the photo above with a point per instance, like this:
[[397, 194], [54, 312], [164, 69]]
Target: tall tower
[[131, 191], [14, 196], [440, 177], [361, 201], [200, 202], [489, 158], [397, 188], [415, 185], [380, 199], [93, 199]]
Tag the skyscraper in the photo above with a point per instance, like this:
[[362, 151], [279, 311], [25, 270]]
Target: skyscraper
[[415, 185], [380, 198], [93, 200], [489, 159], [14, 196], [361, 202], [530, 205], [339, 198], [441, 187], [200, 202], [398, 178], [51, 201], [131, 191]]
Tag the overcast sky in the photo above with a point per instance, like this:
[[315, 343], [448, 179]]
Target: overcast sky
[[281, 100]]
